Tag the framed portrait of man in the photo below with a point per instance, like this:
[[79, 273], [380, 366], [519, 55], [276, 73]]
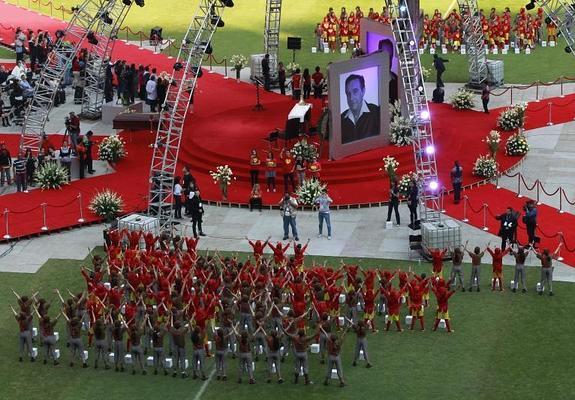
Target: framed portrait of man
[[359, 104]]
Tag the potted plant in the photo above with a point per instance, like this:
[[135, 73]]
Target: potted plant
[[51, 175], [106, 204], [223, 176], [112, 149]]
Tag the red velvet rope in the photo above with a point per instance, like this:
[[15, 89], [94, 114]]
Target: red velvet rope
[[546, 235], [24, 212], [65, 204], [472, 209], [569, 250], [537, 109]]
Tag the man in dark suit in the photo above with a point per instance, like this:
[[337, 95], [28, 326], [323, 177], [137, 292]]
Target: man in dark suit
[[508, 225], [361, 119], [266, 71], [197, 211]]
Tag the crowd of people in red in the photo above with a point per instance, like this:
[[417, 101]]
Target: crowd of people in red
[[261, 307]]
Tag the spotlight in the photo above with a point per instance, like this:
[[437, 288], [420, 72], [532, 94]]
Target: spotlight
[[60, 34], [424, 115], [420, 89], [140, 3], [75, 9], [105, 17], [411, 43], [217, 20], [530, 5], [433, 185], [568, 49], [197, 71], [227, 3], [127, 2], [178, 66], [402, 8], [207, 47], [92, 38], [429, 150]]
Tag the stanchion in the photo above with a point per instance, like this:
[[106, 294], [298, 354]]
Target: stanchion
[[7, 234], [81, 219], [537, 93], [519, 186], [561, 240], [538, 183], [561, 82], [465, 219], [561, 193], [225, 68], [550, 121], [485, 228], [442, 199], [511, 95], [44, 226], [210, 60], [497, 182]]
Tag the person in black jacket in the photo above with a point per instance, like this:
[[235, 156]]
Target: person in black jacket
[[412, 202], [508, 225], [197, 211], [266, 71], [393, 201], [440, 68]]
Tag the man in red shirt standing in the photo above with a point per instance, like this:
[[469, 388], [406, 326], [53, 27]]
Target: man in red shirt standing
[[317, 82], [288, 169]]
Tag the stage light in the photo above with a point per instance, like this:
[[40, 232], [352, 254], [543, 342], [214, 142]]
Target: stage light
[[140, 3], [60, 34], [568, 49], [105, 17], [530, 5], [208, 47], [127, 2], [429, 150], [411, 42], [92, 38], [433, 185], [178, 66], [402, 8], [217, 20], [424, 115], [227, 3], [420, 89]]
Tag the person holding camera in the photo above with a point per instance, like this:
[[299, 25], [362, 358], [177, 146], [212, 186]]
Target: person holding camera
[[508, 225], [530, 221], [288, 206]]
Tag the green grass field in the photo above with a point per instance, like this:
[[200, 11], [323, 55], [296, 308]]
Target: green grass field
[[505, 345], [7, 54], [243, 33]]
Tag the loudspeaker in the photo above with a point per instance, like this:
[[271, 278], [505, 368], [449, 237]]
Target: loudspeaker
[[294, 43]]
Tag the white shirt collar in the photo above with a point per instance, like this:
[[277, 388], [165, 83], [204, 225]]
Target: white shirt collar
[[350, 116]]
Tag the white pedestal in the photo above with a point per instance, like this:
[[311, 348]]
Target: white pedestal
[[442, 324], [342, 298], [341, 321], [334, 374], [326, 50], [169, 363], [34, 332], [388, 225], [34, 352], [408, 319], [57, 336], [314, 348], [150, 361], [285, 310], [128, 359], [112, 357], [314, 50], [107, 285], [86, 355], [57, 354]]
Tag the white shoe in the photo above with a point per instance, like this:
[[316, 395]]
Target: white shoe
[[319, 235], [329, 238], [25, 191]]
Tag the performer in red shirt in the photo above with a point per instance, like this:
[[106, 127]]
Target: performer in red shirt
[[317, 83], [442, 295], [497, 264], [258, 248], [437, 256], [288, 169], [279, 252], [393, 298]]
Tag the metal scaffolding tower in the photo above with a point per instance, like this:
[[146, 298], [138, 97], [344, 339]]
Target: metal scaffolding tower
[[106, 32], [69, 42], [417, 110], [562, 13], [272, 33], [187, 69], [474, 43]]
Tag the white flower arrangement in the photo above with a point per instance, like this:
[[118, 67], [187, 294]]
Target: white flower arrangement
[[310, 190], [400, 131], [51, 175], [485, 167], [395, 109], [463, 100], [403, 184], [106, 204], [493, 139], [112, 149], [517, 145], [304, 149], [512, 117], [390, 165], [223, 175], [292, 67], [238, 61]]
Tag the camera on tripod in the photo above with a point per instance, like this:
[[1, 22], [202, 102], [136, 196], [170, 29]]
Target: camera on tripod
[[67, 122]]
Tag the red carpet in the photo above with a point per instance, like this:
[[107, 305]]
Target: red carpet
[[223, 130]]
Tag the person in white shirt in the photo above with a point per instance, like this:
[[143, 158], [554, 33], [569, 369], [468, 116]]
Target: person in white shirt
[[324, 201], [152, 93], [177, 198]]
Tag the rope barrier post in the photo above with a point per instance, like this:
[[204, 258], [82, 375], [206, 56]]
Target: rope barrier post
[[465, 219], [561, 240], [7, 234], [497, 181], [485, 228], [210, 57], [81, 219], [561, 82], [225, 68], [519, 185], [538, 184], [44, 226], [537, 92], [550, 122], [561, 193], [511, 95], [442, 199]]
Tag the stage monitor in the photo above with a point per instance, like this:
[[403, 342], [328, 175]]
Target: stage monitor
[[294, 43], [359, 104]]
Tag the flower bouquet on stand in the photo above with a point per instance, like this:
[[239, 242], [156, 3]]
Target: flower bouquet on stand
[[223, 176], [463, 100], [292, 67], [112, 149], [238, 62], [403, 184], [390, 165], [400, 132], [512, 117], [51, 176], [517, 145], [304, 149], [485, 167], [107, 204], [493, 139], [310, 190]]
